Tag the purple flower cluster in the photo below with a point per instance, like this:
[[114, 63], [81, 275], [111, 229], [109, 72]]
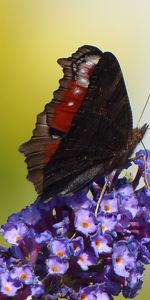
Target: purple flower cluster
[[62, 248]]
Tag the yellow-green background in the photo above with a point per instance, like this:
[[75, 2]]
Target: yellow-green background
[[34, 33]]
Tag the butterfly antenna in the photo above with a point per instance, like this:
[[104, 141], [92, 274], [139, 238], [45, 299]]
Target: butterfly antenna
[[143, 110]]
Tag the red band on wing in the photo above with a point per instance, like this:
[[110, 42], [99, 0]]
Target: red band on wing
[[69, 105]]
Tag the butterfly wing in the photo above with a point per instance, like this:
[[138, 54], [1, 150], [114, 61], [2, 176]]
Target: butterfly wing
[[87, 123]]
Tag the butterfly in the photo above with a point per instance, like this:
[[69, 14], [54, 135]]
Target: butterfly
[[86, 130]]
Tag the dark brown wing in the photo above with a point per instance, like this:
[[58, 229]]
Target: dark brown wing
[[55, 121], [100, 129]]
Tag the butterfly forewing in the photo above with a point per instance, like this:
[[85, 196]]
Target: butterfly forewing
[[100, 128]]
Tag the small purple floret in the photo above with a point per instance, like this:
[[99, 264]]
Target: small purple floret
[[56, 266], [85, 221]]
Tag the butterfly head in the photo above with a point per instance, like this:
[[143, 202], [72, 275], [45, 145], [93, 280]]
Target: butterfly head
[[138, 134]]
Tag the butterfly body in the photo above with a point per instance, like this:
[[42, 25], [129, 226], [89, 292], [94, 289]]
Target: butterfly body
[[86, 130]]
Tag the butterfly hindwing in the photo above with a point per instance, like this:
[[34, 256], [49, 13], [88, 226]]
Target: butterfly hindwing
[[56, 119]]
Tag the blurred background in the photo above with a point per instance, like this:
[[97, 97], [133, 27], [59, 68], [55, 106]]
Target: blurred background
[[34, 34]]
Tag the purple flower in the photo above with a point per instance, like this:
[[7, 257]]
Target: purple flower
[[30, 215], [85, 221], [127, 200], [37, 289], [123, 259], [7, 286], [80, 199], [43, 237], [101, 243], [23, 273], [143, 196], [76, 246], [56, 266], [61, 227], [13, 233], [59, 248], [86, 259], [107, 222], [94, 292], [143, 162], [109, 204]]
